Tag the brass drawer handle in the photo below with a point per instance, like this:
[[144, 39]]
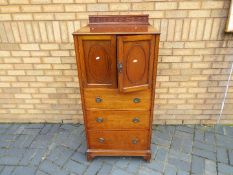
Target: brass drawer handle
[[136, 120], [101, 140], [136, 100], [134, 141], [99, 119], [98, 100]]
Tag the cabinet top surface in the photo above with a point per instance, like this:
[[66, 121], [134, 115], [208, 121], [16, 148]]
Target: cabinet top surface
[[116, 29]]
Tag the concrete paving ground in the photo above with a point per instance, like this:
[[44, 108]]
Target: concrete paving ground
[[59, 149]]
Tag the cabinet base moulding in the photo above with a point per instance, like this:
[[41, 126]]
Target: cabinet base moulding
[[92, 153]]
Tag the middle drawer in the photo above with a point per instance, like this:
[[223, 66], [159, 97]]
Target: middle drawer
[[105, 119]]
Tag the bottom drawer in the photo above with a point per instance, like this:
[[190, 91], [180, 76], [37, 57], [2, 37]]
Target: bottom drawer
[[127, 140]]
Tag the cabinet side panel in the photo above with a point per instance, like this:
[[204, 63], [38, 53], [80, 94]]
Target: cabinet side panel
[[76, 44], [155, 63]]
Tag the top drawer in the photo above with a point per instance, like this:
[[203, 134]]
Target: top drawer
[[103, 98]]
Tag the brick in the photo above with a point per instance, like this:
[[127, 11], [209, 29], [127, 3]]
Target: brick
[[219, 13], [171, 59], [22, 96], [26, 78], [41, 1], [207, 30], [201, 65], [212, 4], [170, 34], [17, 2], [166, 5], [176, 14], [51, 60], [97, 7], [56, 28], [36, 32], [49, 29], [43, 16], [53, 8], [10, 9], [196, 44], [31, 60], [8, 78], [173, 45], [214, 44], [59, 53], [5, 53], [31, 8], [15, 72], [5, 17], [182, 51], [192, 32], [119, 6], [42, 66], [143, 6], [215, 29], [199, 13], [29, 46], [22, 16], [189, 5], [64, 16], [43, 32], [63, 1], [200, 29], [178, 30], [44, 78], [3, 2], [29, 32], [197, 90], [15, 31], [162, 78], [49, 46], [75, 8], [64, 32], [164, 24], [185, 30], [206, 51]]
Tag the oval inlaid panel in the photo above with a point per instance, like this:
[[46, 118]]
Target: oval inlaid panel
[[136, 64], [99, 63]]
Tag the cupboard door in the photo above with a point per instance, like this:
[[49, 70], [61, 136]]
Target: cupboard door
[[135, 62], [97, 55]]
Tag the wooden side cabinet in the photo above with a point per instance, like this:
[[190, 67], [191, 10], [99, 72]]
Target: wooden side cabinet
[[117, 59]]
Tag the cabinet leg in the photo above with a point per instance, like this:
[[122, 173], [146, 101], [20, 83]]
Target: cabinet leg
[[89, 157], [147, 158]]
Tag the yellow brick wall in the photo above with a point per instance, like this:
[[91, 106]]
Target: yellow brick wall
[[38, 78]]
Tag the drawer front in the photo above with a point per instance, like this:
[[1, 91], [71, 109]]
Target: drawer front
[[104, 119], [99, 98], [127, 140]]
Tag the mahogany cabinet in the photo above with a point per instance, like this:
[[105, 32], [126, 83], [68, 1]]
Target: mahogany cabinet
[[117, 60]]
